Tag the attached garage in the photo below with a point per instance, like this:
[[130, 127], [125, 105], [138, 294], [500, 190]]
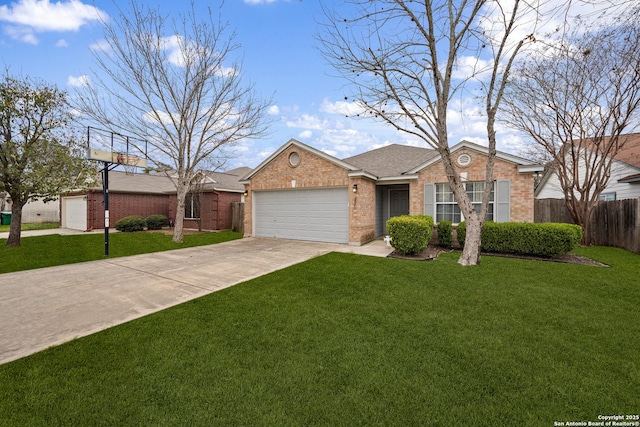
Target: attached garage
[[74, 211], [320, 215]]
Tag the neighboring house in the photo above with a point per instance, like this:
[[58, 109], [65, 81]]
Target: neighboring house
[[35, 211], [302, 193], [150, 194], [624, 181]]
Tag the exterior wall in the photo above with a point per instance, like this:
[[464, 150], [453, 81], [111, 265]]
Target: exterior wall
[[122, 205], [551, 187], [362, 212], [215, 210], [38, 211], [521, 191], [315, 172]]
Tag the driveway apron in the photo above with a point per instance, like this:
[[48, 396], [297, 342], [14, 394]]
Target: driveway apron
[[49, 306]]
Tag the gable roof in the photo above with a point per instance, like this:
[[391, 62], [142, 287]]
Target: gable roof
[[227, 181], [524, 165], [152, 183], [630, 151], [143, 183], [392, 160]]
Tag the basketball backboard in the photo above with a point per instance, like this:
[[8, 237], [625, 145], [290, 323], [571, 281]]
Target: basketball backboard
[[111, 147]]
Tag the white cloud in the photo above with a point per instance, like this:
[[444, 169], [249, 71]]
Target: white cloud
[[28, 17], [307, 121], [62, 43], [343, 108], [100, 46], [23, 34], [79, 81], [274, 110], [305, 134]]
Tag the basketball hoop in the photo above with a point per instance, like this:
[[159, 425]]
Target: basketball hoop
[[129, 162]]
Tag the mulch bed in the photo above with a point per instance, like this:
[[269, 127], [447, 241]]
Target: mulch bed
[[431, 252]]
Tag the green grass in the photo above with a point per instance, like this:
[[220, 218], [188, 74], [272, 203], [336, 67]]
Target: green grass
[[352, 340], [33, 226], [54, 249]]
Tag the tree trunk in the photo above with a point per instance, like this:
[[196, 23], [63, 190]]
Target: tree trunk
[[15, 229], [471, 251], [181, 193]]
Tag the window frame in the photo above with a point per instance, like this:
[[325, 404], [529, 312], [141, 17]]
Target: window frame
[[444, 197], [192, 206]]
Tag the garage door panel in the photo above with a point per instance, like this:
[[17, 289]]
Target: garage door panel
[[75, 213], [316, 215]]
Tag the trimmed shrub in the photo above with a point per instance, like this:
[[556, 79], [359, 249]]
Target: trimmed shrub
[[410, 234], [156, 222], [445, 238], [131, 223], [461, 233], [525, 238], [542, 239]]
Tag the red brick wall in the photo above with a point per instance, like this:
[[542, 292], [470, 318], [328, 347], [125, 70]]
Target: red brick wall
[[521, 203], [215, 210], [122, 205]]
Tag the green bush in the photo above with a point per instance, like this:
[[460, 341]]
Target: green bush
[[525, 238], [544, 239], [156, 222], [410, 234], [131, 223], [461, 233], [445, 238]]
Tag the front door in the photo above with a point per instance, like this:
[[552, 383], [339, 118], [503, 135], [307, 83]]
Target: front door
[[398, 202]]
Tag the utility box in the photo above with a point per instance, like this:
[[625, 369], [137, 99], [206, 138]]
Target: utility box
[[5, 218]]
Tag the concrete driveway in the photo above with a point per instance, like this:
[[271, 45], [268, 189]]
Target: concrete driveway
[[49, 306]]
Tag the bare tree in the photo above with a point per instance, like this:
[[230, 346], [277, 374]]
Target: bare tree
[[406, 60], [576, 100], [169, 82]]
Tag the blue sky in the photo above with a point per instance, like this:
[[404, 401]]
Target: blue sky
[[51, 40]]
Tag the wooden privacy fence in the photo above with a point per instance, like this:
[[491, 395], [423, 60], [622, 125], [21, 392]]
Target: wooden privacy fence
[[615, 223], [237, 217]]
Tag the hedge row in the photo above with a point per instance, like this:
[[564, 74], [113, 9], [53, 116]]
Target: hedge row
[[138, 223], [525, 238], [410, 234]]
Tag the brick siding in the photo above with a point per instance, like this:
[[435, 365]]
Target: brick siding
[[122, 205], [521, 203], [215, 210]]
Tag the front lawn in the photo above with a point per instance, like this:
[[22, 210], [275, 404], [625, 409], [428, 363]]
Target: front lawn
[[350, 340], [54, 249]]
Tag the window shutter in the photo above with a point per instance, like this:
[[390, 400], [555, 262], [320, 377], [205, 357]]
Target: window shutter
[[503, 201], [430, 200]]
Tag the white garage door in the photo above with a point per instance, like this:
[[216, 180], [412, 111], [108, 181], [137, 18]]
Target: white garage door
[[320, 215], [74, 213]]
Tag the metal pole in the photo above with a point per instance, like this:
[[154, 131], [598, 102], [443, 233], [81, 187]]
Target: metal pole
[[105, 193]]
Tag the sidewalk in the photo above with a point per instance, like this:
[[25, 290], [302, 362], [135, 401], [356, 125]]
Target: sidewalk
[[49, 306]]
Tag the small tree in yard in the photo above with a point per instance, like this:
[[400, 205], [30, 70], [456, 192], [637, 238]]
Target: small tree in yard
[[407, 59], [576, 101], [39, 156], [168, 82]]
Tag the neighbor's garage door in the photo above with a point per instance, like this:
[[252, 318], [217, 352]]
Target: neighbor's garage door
[[74, 213], [320, 215]]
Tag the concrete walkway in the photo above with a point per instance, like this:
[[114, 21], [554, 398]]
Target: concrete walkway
[[49, 306]]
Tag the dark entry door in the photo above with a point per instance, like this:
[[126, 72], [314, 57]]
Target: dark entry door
[[398, 202]]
